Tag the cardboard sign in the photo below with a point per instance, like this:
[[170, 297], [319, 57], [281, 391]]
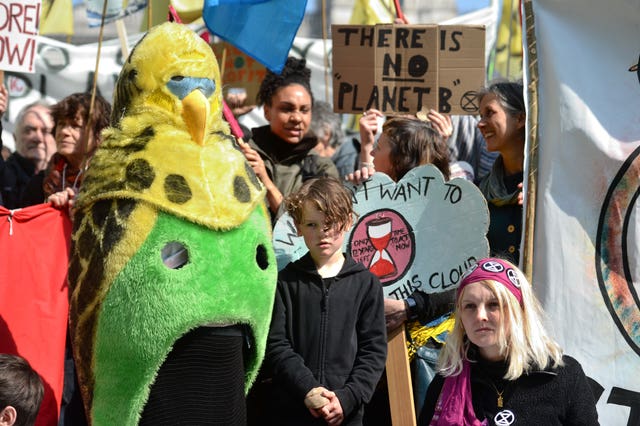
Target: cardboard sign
[[19, 22], [420, 233], [401, 69], [239, 70]]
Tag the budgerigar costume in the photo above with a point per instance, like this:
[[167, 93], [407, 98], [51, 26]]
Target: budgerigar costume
[[173, 273]]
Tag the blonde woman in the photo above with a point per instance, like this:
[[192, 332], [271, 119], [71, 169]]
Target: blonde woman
[[499, 366]]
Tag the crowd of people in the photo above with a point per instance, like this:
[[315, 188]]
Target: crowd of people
[[326, 348]]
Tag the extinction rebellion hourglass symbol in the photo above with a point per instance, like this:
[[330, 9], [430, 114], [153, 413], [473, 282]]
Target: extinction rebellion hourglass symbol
[[379, 233]]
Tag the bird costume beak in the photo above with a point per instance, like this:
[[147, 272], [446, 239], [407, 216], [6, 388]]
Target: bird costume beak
[[195, 110]]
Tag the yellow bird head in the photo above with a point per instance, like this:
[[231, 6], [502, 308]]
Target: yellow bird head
[[174, 83], [168, 143]]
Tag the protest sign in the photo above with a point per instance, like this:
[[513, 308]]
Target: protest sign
[[420, 233], [239, 70], [19, 22], [400, 69]]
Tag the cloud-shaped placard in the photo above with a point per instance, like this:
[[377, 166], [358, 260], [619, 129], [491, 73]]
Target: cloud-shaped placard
[[419, 233]]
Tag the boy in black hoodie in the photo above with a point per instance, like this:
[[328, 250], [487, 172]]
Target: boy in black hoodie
[[327, 344]]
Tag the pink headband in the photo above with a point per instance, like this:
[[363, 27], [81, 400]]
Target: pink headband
[[496, 270]]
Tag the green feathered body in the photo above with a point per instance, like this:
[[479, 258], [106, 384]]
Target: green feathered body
[[150, 305]]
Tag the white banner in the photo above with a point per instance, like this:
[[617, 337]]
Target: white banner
[[19, 22], [586, 244]]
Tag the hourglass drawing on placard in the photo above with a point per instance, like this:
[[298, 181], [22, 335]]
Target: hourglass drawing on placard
[[379, 233]]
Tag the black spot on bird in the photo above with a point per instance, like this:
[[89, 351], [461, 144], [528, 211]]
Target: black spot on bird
[[241, 189], [139, 175], [141, 140], [177, 189], [252, 176]]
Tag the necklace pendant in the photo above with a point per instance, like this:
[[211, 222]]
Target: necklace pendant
[[500, 402]]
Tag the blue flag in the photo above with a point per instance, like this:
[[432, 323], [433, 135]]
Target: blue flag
[[263, 29]]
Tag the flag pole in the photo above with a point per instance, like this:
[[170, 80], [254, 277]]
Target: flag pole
[[89, 122], [399, 13], [223, 62], [532, 163]]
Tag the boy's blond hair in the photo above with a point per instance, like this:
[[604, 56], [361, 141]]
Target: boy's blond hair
[[329, 196]]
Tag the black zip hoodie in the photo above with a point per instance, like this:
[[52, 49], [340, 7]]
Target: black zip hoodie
[[325, 332]]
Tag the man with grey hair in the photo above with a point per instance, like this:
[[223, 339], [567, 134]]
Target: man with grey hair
[[35, 145]]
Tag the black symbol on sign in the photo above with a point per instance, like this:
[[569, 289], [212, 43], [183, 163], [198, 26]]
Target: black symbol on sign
[[456, 81], [469, 102], [337, 76]]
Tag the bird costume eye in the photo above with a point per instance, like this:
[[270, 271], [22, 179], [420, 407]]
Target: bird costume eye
[[177, 78], [262, 258], [174, 255]]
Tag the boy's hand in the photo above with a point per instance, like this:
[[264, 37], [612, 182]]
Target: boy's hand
[[332, 412], [314, 400]]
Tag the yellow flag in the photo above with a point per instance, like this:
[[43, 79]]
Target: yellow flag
[[370, 12], [56, 17], [508, 55]]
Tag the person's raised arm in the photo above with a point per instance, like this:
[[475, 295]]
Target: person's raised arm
[[368, 129]]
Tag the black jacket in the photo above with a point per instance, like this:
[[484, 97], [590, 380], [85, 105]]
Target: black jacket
[[14, 176], [547, 397], [325, 332]]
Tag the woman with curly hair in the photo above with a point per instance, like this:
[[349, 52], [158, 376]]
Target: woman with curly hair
[[281, 153], [499, 365], [77, 136]]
